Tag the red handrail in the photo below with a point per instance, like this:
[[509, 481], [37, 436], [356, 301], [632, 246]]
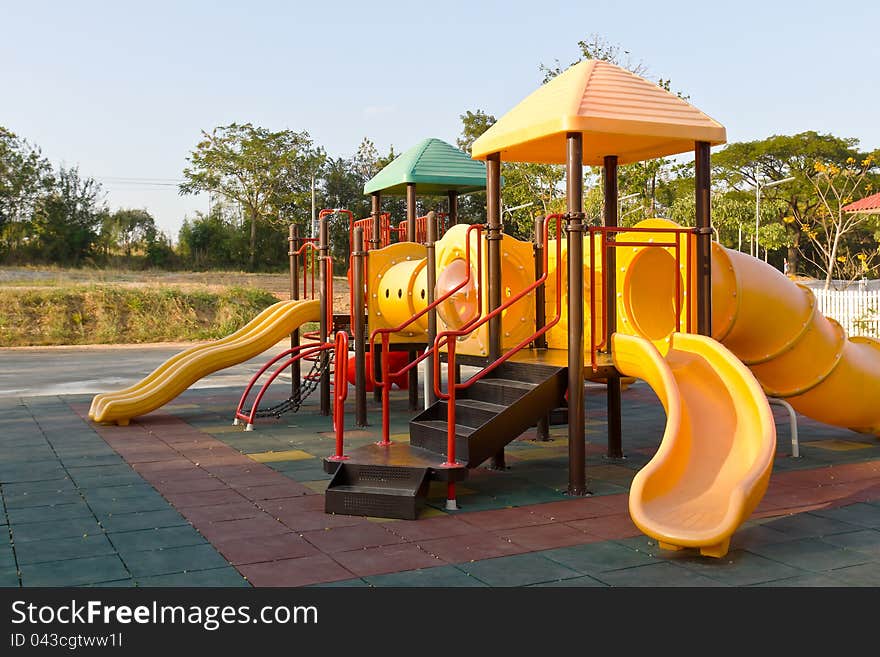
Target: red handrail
[[604, 231], [384, 383], [340, 393], [367, 224], [446, 337], [296, 353], [422, 228]]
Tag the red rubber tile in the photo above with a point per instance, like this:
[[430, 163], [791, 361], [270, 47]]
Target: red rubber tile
[[304, 521], [292, 505], [230, 530], [204, 498], [386, 559], [546, 537], [295, 572], [504, 518], [279, 490], [470, 547], [196, 484], [266, 548], [356, 537], [206, 514], [608, 527], [429, 528], [574, 509]]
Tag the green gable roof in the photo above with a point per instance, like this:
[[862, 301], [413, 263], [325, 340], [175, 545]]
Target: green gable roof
[[435, 167]]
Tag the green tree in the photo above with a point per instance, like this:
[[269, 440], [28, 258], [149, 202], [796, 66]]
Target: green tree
[[129, 229], [267, 172], [742, 165], [67, 219], [24, 176]]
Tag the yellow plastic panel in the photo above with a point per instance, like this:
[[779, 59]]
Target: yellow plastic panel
[[396, 290]]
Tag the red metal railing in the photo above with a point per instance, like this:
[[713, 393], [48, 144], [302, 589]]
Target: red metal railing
[[385, 333], [422, 228], [605, 243], [448, 338], [367, 224], [340, 392]]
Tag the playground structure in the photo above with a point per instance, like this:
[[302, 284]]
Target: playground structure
[[712, 331]]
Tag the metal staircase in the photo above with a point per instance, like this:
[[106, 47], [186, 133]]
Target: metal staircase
[[392, 482]]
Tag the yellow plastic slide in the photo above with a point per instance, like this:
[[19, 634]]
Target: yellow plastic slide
[[714, 462], [182, 370]]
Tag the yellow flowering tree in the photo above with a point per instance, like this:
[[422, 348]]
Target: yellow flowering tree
[[835, 185]]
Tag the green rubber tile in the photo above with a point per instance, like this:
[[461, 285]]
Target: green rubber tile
[[124, 522], [24, 489], [861, 514], [341, 584], [445, 576], [58, 549], [154, 539], [75, 460], [7, 555], [74, 572], [30, 471], [9, 577], [739, 568], [655, 574], [808, 525], [865, 540], [808, 580], [575, 582], [517, 570], [115, 584], [109, 480], [173, 560], [36, 531], [862, 575], [599, 557], [218, 577], [28, 514], [139, 489], [811, 554]]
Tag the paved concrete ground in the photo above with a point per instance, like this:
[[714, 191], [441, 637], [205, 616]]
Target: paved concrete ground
[[37, 371], [180, 497]]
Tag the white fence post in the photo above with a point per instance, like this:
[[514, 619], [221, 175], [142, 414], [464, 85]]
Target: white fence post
[[858, 311]]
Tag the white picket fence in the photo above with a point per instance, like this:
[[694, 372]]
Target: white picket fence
[[857, 310]]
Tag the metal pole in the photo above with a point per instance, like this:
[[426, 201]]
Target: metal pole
[[359, 329], [376, 213], [295, 368], [323, 253], [615, 433], [757, 216], [702, 166], [542, 430], [574, 178], [493, 273], [432, 314], [411, 207], [452, 215]]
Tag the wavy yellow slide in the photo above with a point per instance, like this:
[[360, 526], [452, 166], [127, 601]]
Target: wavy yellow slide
[[182, 370], [714, 463]]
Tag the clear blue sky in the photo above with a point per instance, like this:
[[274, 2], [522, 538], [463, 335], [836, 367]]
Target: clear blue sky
[[122, 89]]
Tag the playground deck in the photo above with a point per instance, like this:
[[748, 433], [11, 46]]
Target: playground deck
[[182, 498]]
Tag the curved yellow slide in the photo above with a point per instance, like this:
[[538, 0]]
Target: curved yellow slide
[[182, 370], [714, 462], [770, 323]]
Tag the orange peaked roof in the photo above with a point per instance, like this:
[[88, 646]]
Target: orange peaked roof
[[618, 112], [868, 205]]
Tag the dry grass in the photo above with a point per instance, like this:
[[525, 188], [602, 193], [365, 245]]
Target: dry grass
[[108, 314]]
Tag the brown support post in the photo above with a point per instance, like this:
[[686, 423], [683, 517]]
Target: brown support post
[[432, 314], [295, 368], [493, 265], [323, 254], [615, 431], [452, 214], [376, 214], [411, 211], [574, 181], [702, 165], [359, 329]]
